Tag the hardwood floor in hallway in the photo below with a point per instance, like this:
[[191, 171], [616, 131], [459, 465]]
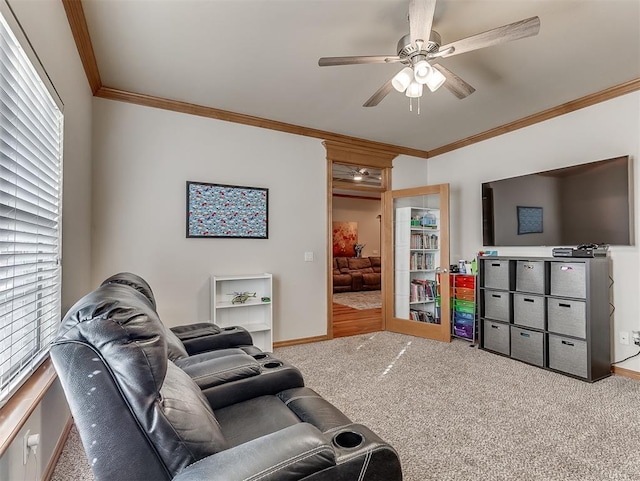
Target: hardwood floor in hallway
[[348, 321]]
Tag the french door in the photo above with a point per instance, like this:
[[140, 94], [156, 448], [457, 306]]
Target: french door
[[416, 273]]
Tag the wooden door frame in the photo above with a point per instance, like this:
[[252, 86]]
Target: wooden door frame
[[349, 154]]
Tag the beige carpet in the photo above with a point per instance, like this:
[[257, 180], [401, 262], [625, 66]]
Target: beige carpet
[[456, 413], [359, 300]]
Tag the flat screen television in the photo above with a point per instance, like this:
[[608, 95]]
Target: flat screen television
[[584, 204]]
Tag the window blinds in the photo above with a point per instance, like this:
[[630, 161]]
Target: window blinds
[[30, 201]]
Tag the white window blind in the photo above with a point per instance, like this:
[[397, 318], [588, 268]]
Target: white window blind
[[30, 201]]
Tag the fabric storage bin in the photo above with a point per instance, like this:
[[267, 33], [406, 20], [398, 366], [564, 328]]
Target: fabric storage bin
[[530, 276], [568, 355], [496, 274], [567, 317], [496, 305], [527, 346], [568, 279], [496, 336], [528, 310]]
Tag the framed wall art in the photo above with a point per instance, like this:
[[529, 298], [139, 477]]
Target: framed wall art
[[233, 211], [529, 220], [345, 237]]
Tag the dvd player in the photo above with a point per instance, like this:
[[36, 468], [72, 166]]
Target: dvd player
[[562, 252]]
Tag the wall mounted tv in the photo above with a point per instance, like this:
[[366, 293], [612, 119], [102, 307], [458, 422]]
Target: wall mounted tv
[[583, 204]]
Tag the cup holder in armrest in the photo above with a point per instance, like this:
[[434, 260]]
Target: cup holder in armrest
[[262, 355], [272, 364], [348, 439], [232, 328]]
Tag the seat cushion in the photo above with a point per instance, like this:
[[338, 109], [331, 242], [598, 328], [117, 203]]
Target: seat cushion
[[342, 280], [256, 417]]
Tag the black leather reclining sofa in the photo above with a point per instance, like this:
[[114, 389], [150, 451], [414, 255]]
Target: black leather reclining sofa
[[221, 416]]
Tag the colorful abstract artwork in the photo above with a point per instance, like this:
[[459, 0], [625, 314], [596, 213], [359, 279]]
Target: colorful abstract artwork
[[345, 236], [216, 210]]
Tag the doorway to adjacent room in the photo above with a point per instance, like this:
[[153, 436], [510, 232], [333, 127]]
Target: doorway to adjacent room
[[357, 273], [357, 178]]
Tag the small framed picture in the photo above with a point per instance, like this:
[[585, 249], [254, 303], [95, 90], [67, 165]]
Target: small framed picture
[[529, 220]]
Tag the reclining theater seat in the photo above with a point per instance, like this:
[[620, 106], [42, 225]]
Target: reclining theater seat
[[142, 418], [227, 375], [197, 337]]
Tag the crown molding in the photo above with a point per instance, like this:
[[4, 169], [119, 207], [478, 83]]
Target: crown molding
[[213, 113], [80, 31], [582, 102]]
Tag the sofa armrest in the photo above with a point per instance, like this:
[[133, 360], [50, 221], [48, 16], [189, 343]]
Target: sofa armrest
[[208, 372], [196, 329], [356, 281], [290, 454], [205, 336]]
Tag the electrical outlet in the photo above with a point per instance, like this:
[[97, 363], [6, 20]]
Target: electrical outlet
[[624, 337], [636, 337], [30, 444], [25, 447]]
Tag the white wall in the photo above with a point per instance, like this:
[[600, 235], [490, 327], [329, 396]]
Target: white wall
[[45, 24], [142, 160], [603, 131]]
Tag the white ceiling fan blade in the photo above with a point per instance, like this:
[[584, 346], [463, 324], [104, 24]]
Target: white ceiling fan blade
[[454, 84], [329, 61], [420, 20], [380, 94], [507, 33]]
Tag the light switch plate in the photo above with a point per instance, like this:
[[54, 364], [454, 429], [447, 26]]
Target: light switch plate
[[308, 256]]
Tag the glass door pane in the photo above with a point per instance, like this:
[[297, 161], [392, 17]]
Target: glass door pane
[[419, 245]]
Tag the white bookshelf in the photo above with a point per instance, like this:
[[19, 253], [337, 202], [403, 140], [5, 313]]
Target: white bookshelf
[[417, 257], [255, 315]]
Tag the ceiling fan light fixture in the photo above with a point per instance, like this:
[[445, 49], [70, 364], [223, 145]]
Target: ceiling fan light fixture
[[422, 70], [357, 177], [414, 90], [402, 79], [435, 79]]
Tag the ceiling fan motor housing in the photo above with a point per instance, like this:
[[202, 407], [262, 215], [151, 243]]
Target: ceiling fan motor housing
[[407, 50]]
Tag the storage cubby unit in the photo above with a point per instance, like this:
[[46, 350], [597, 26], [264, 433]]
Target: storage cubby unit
[[553, 312], [255, 314], [417, 259]]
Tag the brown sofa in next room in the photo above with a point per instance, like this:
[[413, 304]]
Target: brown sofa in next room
[[356, 274]]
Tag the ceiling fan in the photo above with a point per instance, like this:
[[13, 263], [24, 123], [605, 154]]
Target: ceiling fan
[[422, 45]]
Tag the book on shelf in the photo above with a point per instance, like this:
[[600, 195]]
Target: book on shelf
[[422, 316], [424, 241], [422, 261], [422, 290]]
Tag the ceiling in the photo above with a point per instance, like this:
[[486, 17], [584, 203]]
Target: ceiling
[[260, 58]]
